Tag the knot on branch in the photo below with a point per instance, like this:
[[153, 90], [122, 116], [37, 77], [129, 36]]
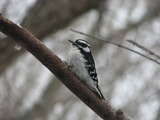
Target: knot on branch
[[121, 116]]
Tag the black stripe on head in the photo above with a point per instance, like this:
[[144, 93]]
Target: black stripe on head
[[82, 43]]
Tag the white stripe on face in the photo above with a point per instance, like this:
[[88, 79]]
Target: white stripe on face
[[86, 49], [80, 41], [84, 42], [83, 45]]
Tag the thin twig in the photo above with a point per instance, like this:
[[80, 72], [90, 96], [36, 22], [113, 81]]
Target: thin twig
[[118, 45], [143, 48]]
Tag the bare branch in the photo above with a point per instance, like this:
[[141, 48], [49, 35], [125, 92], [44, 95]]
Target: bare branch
[[60, 70], [143, 48], [118, 45]]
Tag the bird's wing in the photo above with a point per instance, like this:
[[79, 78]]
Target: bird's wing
[[91, 67]]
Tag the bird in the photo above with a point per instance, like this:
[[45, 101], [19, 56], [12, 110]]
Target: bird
[[82, 64]]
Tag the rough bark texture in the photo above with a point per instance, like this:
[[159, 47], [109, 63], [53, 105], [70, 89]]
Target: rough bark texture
[[60, 70]]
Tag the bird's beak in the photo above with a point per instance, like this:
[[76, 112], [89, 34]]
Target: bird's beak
[[73, 43]]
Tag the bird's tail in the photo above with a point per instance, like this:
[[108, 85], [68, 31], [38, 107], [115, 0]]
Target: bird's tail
[[98, 91]]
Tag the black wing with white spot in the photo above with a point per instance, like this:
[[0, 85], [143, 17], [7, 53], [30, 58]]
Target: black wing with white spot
[[90, 66]]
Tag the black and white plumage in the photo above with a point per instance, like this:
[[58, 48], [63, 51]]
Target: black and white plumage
[[83, 66]]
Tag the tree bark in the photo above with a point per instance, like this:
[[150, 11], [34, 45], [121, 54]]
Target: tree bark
[[60, 70]]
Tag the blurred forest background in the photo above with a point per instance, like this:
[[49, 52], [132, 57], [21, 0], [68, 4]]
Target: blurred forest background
[[28, 91]]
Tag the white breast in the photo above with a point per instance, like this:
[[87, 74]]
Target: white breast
[[77, 63]]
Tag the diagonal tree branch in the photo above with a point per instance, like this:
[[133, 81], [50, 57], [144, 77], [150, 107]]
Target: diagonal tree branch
[[60, 70], [51, 16]]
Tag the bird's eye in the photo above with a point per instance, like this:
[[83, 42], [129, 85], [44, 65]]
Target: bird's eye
[[82, 45]]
